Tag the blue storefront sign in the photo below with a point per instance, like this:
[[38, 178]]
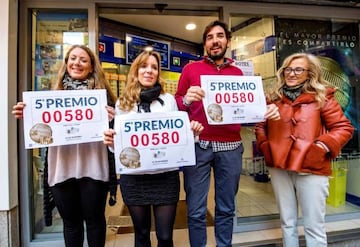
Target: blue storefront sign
[[136, 44]]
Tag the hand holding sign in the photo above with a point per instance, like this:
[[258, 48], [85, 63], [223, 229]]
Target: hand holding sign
[[194, 93]]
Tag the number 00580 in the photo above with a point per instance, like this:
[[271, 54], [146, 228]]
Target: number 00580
[[155, 139], [234, 98], [67, 115]]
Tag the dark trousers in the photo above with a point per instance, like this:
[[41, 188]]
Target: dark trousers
[[226, 167], [78, 201]]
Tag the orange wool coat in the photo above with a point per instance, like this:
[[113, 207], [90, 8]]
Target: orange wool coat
[[289, 143]]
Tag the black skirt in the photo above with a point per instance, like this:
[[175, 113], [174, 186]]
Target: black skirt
[[150, 189]]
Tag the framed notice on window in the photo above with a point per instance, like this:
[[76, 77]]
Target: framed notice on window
[[136, 44], [55, 34]]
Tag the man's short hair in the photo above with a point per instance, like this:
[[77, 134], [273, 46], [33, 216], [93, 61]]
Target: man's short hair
[[217, 23]]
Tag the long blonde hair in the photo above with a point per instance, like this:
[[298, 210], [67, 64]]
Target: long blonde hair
[[314, 85], [131, 95], [96, 78]]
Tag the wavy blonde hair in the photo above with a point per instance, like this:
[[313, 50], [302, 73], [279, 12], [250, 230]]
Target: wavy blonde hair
[[316, 84], [131, 95], [96, 78]]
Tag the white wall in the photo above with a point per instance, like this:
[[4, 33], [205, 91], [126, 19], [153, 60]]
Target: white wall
[[8, 82]]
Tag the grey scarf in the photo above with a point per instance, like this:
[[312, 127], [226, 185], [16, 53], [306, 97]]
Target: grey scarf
[[70, 84], [292, 92]]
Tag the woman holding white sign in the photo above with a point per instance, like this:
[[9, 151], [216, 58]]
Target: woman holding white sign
[[78, 175], [159, 189], [298, 147]]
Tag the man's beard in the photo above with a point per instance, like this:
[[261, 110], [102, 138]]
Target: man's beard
[[217, 56]]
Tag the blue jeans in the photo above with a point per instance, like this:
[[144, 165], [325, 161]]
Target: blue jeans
[[227, 168]]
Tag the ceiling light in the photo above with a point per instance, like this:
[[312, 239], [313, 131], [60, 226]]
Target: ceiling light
[[148, 48], [190, 26]]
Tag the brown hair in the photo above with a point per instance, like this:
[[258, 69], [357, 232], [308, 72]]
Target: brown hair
[[213, 24]]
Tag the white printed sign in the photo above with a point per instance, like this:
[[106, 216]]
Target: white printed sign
[[233, 99], [247, 67], [62, 117], [153, 141]]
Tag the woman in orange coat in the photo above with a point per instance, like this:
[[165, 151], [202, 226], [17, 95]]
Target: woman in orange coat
[[298, 147]]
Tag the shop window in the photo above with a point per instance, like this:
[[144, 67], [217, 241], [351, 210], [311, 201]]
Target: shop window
[[53, 34]]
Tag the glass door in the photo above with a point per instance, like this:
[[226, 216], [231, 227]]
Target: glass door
[[53, 33]]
